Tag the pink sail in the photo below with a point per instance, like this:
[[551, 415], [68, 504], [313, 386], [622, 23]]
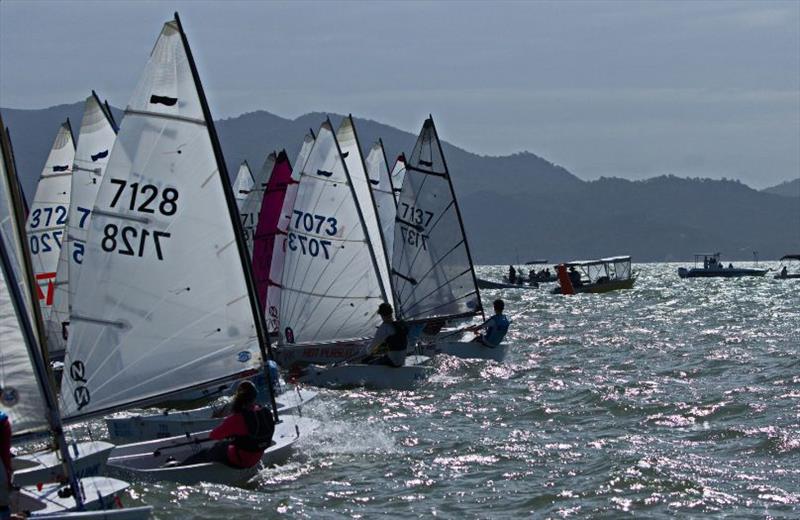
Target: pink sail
[[267, 228]]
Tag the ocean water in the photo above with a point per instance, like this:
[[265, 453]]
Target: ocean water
[[676, 398]]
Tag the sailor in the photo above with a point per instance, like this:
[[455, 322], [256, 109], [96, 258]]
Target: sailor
[[5, 466], [784, 272], [574, 276], [512, 274], [244, 435], [531, 276], [391, 338], [496, 326]]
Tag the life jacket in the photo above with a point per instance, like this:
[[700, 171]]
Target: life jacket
[[399, 340], [260, 426]]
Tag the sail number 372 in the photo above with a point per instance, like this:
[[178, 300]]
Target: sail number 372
[[142, 198]]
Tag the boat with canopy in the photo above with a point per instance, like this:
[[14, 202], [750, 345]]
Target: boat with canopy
[[432, 269], [172, 305], [26, 392], [595, 276], [713, 268], [789, 268]]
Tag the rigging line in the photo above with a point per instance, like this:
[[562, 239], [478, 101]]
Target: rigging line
[[330, 315], [423, 277], [446, 282]]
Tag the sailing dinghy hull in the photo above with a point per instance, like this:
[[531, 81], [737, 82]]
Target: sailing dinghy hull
[[153, 460], [89, 459], [465, 350], [376, 377], [288, 356], [125, 430], [129, 513], [98, 492]]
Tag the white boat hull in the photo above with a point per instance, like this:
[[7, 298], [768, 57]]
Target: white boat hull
[[377, 377], [151, 460], [88, 459], [465, 350], [125, 430], [128, 513], [99, 497]]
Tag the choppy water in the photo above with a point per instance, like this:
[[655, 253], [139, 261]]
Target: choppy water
[[679, 397]]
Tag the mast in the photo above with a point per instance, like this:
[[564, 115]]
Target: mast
[[375, 210], [460, 220], [358, 207], [43, 375], [233, 213]]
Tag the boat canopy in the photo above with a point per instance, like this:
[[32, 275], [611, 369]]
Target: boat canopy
[[612, 268], [537, 261], [790, 257]]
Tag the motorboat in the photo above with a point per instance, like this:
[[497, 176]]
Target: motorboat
[[789, 268], [595, 276], [713, 268]]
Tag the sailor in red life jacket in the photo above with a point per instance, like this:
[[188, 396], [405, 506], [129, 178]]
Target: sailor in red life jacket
[[5, 465], [243, 435]]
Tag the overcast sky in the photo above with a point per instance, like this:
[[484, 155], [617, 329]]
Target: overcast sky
[[629, 89]]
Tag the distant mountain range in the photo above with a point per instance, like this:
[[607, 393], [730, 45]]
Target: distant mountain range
[[520, 206], [787, 189]]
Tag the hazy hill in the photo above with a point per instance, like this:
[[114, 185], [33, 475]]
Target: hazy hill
[[519, 206], [787, 189]]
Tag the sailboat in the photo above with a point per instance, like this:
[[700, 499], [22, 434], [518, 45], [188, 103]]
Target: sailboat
[[96, 137], [172, 305], [243, 184], [380, 182], [331, 284], [398, 175], [47, 219], [89, 457], [280, 242], [432, 269], [250, 208], [26, 393]]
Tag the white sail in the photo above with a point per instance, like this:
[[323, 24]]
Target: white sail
[[167, 307], [398, 175], [330, 287], [48, 214], [250, 208], [351, 152], [432, 269], [243, 183], [279, 247], [382, 192], [20, 395], [95, 141]]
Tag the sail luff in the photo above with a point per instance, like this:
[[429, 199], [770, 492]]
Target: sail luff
[[244, 254], [460, 219]]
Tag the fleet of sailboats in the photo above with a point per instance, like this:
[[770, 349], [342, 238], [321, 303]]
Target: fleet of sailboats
[[153, 277]]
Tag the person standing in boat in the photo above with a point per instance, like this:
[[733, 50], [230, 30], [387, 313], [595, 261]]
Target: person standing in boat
[[512, 274], [391, 338], [496, 326], [244, 435]]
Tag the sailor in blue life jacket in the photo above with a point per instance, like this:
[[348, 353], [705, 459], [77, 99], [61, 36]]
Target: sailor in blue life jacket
[[496, 327], [391, 337]]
